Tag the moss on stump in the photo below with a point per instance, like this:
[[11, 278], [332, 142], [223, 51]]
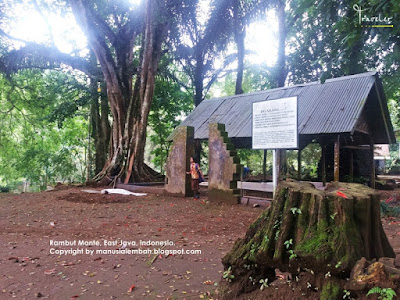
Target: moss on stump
[[305, 228]]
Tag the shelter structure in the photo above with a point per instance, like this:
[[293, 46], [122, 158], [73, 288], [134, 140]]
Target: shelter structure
[[345, 115]]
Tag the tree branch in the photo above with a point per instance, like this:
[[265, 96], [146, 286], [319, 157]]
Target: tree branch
[[34, 55]]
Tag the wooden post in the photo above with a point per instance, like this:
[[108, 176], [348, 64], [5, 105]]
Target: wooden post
[[275, 170], [278, 163], [336, 156], [265, 166], [351, 169], [323, 167], [384, 165], [371, 150], [298, 164], [281, 162]]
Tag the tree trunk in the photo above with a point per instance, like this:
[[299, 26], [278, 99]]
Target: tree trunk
[[129, 105], [240, 34], [239, 38], [322, 231], [280, 76], [99, 120], [199, 76]]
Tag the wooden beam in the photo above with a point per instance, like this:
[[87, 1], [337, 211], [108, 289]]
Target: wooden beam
[[336, 156], [351, 167], [323, 167], [265, 166], [298, 164], [371, 150], [383, 114], [281, 162], [365, 147]]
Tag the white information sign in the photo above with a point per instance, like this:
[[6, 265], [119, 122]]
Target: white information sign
[[275, 124]]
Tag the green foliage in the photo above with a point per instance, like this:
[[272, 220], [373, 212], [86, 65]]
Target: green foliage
[[389, 211], [346, 294], [33, 148], [292, 255], [330, 291], [253, 159], [295, 210], [43, 114], [255, 78], [288, 243], [325, 42], [4, 189], [227, 275], [264, 283], [170, 105], [384, 293]]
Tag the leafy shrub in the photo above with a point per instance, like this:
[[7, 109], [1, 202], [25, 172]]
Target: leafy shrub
[[4, 189]]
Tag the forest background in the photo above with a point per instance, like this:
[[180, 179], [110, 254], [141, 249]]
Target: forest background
[[93, 87]]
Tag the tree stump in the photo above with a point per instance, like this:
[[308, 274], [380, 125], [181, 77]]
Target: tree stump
[[326, 232]]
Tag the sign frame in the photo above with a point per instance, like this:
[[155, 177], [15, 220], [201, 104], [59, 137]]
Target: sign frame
[[295, 129]]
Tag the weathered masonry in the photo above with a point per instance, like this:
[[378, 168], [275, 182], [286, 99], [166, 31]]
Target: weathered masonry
[[347, 116]]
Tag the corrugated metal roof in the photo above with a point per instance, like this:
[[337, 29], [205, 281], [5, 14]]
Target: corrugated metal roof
[[331, 107]]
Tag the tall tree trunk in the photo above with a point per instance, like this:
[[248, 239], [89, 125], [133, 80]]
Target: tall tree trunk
[[240, 34], [100, 126], [104, 123], [99, 119], [198, 96], [281, 60], [199, 76], [280, 74], [151, 56], [129, 105], [239, 38]]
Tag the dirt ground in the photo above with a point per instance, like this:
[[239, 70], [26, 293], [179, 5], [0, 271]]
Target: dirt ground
[[31, 222]]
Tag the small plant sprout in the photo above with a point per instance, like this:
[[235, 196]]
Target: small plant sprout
[[292, 254], [333, 216], [253, 249], [253, 281], [264, 283], [384, 294], [228, 276], [327, 275], [266, 238], [346, 294], [295, 210], [308, 285], [288, 243], [277, 224], [338, 264]]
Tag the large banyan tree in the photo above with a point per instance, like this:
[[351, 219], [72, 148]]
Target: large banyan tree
[[129, 78], [127, 41]]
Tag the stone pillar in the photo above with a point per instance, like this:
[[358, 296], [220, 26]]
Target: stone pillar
[[178, 163], [224, 166]]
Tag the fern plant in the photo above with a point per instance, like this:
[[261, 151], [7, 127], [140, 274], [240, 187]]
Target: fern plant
[[384, 294]]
